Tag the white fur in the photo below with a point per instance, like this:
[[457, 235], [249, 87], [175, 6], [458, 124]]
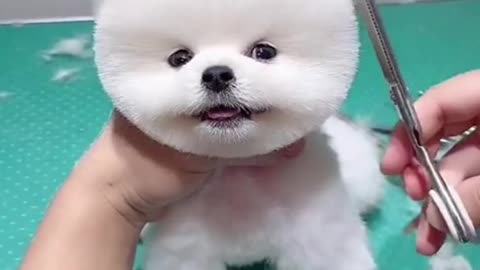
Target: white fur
[[301, 215], [359, 160], [446, 259]]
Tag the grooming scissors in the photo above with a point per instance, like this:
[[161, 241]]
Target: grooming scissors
[[443, 195]]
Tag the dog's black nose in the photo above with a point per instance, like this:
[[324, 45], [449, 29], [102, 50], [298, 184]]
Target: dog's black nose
[[218, 78]]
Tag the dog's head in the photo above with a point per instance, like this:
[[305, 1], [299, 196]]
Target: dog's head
[[227, 78]]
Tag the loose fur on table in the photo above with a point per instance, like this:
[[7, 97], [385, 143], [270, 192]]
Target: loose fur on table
[[5, 95], [235, 79], [76, 47], [65, 74]]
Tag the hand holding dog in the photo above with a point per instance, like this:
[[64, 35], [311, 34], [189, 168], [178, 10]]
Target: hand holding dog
[[147, 176], [124, 181]]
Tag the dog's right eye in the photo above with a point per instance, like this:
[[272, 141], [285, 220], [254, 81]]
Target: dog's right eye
[[263, 52], [180, 58]]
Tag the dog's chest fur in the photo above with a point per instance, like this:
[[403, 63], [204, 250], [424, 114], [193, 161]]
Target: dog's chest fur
[[245, 214]]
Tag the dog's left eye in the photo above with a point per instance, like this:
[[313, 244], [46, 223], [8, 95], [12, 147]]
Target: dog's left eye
[[180, 58], [263, 52]]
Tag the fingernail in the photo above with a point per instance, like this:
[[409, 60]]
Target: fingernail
[[424, 208], [386, 154], [392, 145], [386, 162], [429, 240], [423, 247], [435, 238]]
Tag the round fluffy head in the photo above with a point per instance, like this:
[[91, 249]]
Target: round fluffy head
[[227, 78]]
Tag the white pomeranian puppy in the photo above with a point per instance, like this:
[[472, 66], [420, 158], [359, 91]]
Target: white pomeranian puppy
[[236, 79]]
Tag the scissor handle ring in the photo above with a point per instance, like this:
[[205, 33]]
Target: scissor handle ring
[[471, 233]]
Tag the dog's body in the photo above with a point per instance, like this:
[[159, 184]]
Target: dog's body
[[236, 79], [299, 217]]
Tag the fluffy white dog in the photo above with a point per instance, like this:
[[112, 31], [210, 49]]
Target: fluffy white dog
[[235, 79]]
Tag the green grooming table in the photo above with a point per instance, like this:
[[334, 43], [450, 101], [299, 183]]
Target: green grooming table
[[45, 126]]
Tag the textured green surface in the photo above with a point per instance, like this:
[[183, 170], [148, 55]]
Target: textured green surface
[[45, 126]]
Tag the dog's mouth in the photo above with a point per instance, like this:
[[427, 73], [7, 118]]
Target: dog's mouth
[[224, 116]]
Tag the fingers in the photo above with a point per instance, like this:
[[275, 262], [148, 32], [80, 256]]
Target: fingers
[[462, 163], [440, 107], [290, 152], [293, 150], [464, 160], [432, 213], [399, 152], [416, 184], [469, 192], [429, 239], [440, 113]]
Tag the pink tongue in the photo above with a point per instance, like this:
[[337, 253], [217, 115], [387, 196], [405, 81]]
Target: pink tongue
[[222, 114]]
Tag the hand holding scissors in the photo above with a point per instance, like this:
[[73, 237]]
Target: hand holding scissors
[[415, 138]]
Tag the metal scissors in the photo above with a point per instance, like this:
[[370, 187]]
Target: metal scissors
[[443, 195]]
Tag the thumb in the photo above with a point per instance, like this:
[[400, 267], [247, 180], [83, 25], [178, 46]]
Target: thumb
[[469, 192]]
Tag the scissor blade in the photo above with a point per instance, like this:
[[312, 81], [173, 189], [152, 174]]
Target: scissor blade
[[398, 89], [381, 44]]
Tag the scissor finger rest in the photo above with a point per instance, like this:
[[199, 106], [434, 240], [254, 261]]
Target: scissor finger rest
[[470, 232]]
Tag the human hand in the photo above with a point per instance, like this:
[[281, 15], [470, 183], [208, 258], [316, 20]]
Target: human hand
[[446, 110], [140, 177]]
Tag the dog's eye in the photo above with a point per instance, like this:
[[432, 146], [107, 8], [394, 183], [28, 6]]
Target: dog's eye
[[263, 52], [180, 58]]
